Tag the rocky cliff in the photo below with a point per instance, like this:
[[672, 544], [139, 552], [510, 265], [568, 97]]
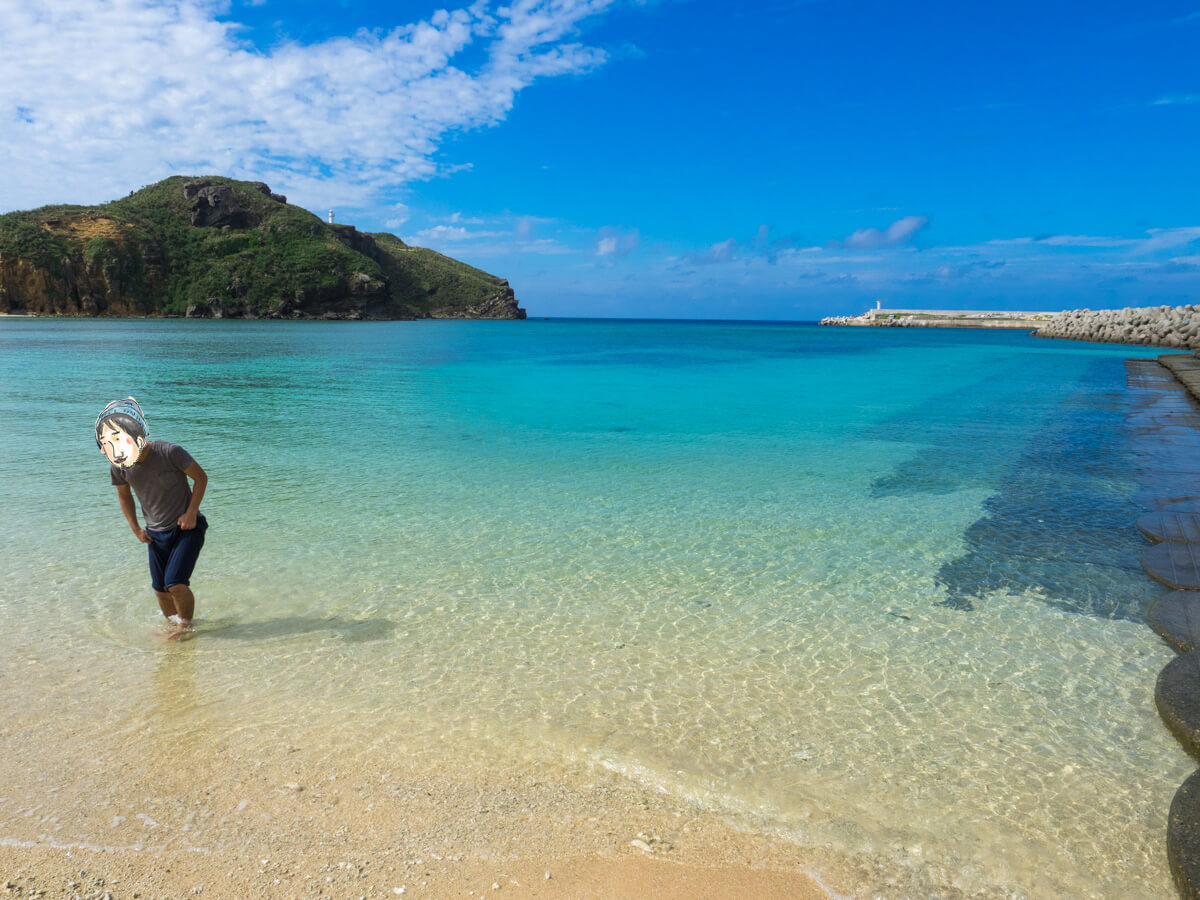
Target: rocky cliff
[[215, 247]]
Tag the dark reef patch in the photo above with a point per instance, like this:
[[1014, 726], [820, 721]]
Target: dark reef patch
[[1059, 523]]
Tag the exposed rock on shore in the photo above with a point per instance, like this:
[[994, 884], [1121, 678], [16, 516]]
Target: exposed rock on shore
[[1156, 326], [493, 306]]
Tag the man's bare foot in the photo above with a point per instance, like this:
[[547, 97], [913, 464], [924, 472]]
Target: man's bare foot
[[181, 629]]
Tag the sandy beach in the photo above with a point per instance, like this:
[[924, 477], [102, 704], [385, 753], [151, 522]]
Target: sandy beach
[[293, 826], [90, 874]]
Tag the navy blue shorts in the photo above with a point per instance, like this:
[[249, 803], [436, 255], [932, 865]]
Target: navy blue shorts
[[173, 553]]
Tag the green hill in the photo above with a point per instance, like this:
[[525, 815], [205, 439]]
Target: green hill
[[223, 248]]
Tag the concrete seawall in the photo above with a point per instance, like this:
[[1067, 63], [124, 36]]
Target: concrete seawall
[[942, 318]]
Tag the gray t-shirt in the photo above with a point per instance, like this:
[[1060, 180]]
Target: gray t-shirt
[[159, 483]]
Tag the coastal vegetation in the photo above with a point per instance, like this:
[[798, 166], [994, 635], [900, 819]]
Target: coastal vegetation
[[224, 248]]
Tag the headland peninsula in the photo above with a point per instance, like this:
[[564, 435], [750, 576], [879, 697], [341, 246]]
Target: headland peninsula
[[215, 247]]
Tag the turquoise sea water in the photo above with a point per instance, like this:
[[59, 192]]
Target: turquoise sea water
[[875, 589]]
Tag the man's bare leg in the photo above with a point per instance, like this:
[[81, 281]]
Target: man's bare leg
[[166, 602], [185, 605]]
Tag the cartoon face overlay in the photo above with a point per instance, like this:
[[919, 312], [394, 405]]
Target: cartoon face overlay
[[121, 449]]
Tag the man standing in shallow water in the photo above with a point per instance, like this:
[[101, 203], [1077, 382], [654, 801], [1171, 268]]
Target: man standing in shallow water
[[157, 472]]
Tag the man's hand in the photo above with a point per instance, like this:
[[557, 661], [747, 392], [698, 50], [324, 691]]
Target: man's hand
[[200, 478], [141, 535]]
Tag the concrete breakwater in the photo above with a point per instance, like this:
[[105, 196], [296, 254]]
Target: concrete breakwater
[[942, 318], [1175, 327], [1156, 326]]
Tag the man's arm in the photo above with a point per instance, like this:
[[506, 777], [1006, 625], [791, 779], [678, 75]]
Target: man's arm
[[188, 520], [125, 495]]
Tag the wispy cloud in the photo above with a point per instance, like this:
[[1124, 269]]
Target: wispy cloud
[[398, 215], [1176, 100], [1065, 240], [1032, 272], [468, 236], [614, 243], [440, 234], [175, 90], [1153, 241], [1169, 238], [761, 246], [722, 251], [898, 233], [1084, 240]]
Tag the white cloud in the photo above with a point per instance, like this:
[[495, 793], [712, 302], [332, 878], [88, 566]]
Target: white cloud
[[442, 233], [1084, 240], [98, 96], [614, 243], [722, 251], [499, 240], [400, 215], [1167, 238], [1177, 100], [899, 232], [1157, 239]]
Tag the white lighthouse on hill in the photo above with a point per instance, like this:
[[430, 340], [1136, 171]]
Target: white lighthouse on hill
[[331, 217]]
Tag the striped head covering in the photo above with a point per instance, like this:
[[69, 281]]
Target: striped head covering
[[127, 407]]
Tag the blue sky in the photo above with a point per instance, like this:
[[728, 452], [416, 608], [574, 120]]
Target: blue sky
[[679, 159]]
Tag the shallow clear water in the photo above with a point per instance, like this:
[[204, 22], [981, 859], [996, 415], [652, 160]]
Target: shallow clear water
[[875, 589]]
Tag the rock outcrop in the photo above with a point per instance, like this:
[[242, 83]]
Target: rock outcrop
[[214, 206], [500, 305]]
